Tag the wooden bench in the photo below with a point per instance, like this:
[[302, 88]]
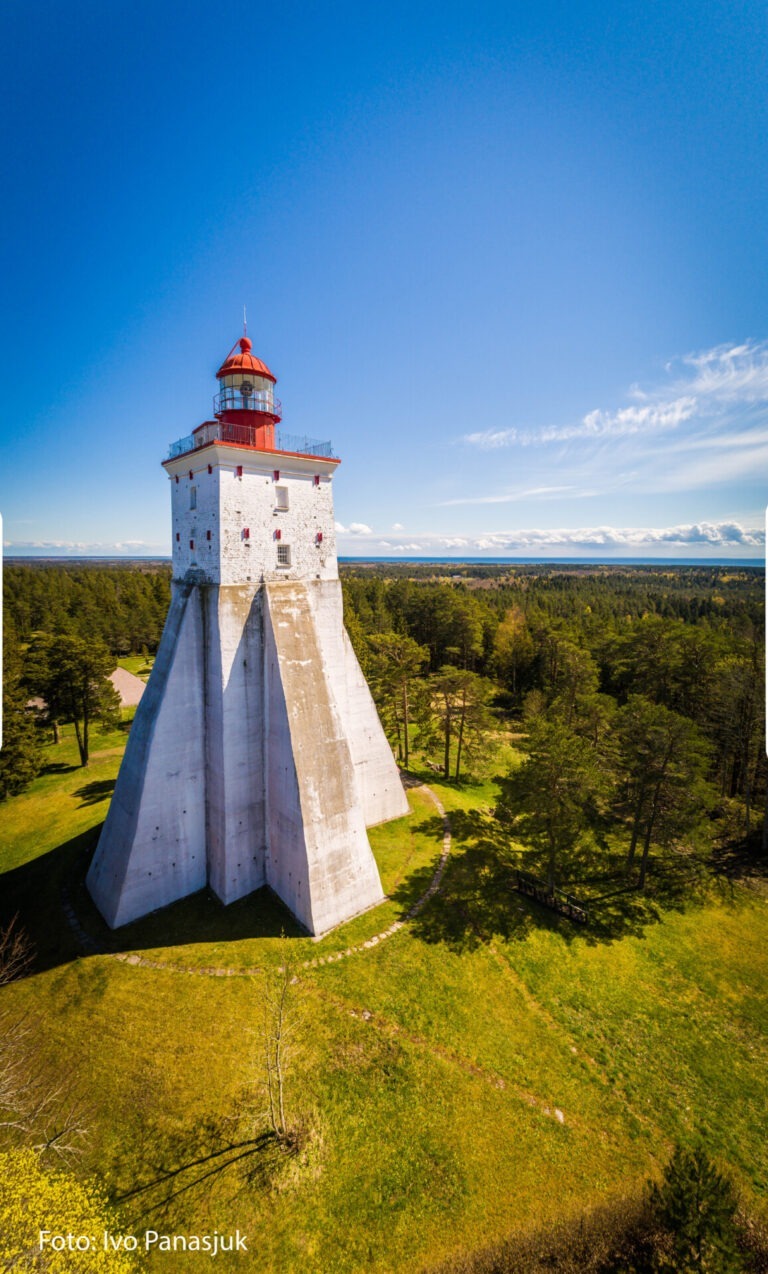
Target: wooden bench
[[556, 899]]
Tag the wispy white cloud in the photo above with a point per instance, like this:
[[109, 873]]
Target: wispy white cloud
[[491, 439], [652, 418], [702, 390], [704, 425], [509, 497], [730, 372]]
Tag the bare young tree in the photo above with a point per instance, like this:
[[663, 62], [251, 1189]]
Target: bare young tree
[[278, 1038]]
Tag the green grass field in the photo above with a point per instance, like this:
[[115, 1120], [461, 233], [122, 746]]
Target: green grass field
[[486, 1068]]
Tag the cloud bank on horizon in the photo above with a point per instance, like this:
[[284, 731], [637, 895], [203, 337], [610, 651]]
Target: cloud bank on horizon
[[361, 540], [713, 538]]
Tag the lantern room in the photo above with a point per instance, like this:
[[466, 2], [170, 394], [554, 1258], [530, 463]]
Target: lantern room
[[247, 396]]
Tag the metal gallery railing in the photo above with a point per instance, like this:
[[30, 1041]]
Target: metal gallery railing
[[249, 400], [250, 436]]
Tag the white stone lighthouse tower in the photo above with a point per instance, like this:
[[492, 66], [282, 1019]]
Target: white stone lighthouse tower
[[256, 756]]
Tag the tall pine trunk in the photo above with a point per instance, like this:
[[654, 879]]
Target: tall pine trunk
[[80, 744], [462, 719], [635, 829], [551, 859], [86, 715]]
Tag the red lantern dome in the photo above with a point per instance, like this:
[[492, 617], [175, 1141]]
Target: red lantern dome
[[244, 361], [246, 396]]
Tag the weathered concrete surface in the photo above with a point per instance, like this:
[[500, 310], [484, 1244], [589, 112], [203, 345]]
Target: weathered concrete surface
[[376, 775], [234, 740], [152, 848], [319, 860]]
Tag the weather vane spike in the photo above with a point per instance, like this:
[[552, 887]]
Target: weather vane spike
[[245, 322]]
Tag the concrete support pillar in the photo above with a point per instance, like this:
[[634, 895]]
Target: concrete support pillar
[[319, 860], [256, 757], [234, 740], [152, 849]]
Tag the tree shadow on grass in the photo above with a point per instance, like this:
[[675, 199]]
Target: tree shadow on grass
[[174, 1165], [98, 790], [743, 858], [48, 895], [478, 899], [58, 767]]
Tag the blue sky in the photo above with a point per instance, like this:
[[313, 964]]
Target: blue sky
[[510, 258]]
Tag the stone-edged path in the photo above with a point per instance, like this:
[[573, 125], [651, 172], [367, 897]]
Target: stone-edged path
[[376, 1020], [131, 958]]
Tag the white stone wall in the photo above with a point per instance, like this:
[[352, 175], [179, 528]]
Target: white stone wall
[[228, 504], [192, 524]]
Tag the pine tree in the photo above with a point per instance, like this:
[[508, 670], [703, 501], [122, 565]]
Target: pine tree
[[20, 755], [72, 675], [554, 793], [395, 662], [696, 1206]]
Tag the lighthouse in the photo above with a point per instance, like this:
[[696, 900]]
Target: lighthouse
[[256, 756]]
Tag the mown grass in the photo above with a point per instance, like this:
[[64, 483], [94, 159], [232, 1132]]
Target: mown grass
[[486, 1069], [139, 665]]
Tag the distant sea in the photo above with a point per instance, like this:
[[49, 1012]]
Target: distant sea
[[756, 563]]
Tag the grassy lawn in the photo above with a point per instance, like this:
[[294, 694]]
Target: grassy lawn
[[486, 1068], [139, 665]]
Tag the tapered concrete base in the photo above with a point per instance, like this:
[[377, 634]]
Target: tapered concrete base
[[256, 757]]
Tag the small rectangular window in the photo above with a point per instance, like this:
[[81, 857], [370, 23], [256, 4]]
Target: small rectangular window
[[281, 495], [193, 497], [283, 555]]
